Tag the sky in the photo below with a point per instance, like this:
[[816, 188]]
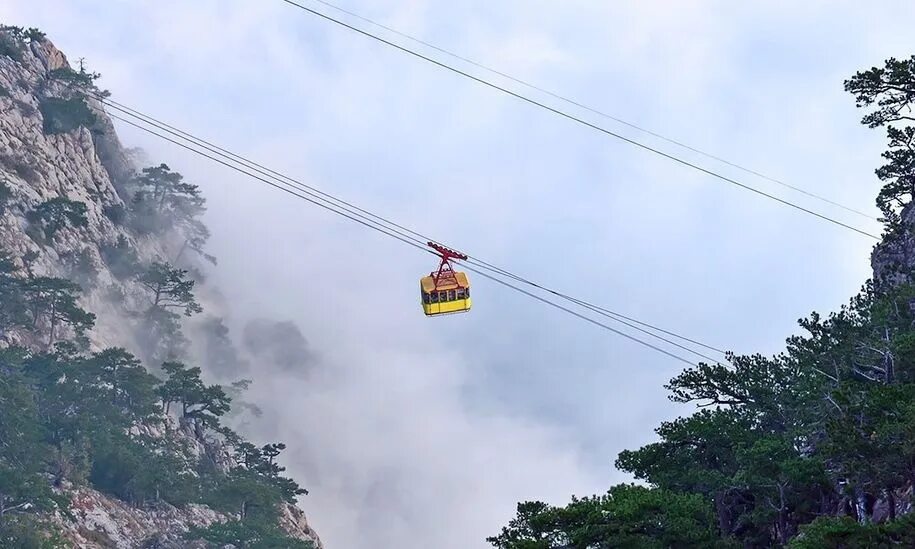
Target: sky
[[416, 432]]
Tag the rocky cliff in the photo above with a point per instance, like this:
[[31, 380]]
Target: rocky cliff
[[51, 150]]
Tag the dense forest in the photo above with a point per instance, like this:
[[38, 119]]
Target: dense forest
[[148, 429], [812, 448]]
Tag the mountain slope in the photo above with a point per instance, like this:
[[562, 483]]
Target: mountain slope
[[98, 257]]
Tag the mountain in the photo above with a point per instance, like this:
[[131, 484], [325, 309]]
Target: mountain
[[112, 431], [811, 448]]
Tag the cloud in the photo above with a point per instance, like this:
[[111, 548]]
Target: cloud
[[413, 432]]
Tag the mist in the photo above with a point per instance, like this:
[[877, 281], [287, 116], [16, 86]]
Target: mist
[[416, 432], [376, 416]]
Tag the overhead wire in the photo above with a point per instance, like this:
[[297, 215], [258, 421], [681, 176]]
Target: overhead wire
[[415, 245], [593, 110], [322, 202], [401, 229], [580, 120]]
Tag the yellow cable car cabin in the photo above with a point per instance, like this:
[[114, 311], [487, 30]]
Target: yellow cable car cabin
[[445, 291], [448, 296]]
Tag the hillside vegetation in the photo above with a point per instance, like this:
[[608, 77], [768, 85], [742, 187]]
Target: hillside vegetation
[[812, 448], [101, 446]]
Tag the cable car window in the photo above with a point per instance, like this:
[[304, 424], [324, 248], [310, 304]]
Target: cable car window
[[467, 292], [426, 298], [434, 297], [460, 293], [443, 296], [450, 295]]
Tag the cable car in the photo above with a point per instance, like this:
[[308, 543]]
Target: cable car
[[445, 291]]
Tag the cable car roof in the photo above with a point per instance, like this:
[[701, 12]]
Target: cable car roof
[[428, 283]]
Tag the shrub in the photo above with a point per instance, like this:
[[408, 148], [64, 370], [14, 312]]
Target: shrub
[[19, 164], [69, 76], [5, 194], [65, 115], [117, 213], [27, 110], [81, 268], [56, 213], [27, 532], [238, 533], [129, 470], [82, 81], [34, 35], [4, 92], [845, 532], [10, 46], [121, 258]]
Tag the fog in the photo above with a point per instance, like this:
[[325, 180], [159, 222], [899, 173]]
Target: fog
[[415, 432]]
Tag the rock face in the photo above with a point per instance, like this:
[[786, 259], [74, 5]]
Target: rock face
[[100, 521], [894, 257], [87, 165]]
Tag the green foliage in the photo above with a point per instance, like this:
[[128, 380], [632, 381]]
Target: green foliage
[[53, 302], [170, 292], [69, 416], [81, 83], [20, 164], [11, 42], [80, 78], [25, 108], [22, 35], [891, 89], [121, 258], [252, 492], [5, 194], [247, 535], [160, 336], [32, 34], [65, 115], [783, 444], [162, 200], [262, 461], [220, 354], [73, 421], [196, 235], [23, 492], [163, 203], [235, 391], [169, 288], [40, 303], [844, 532], [14, 310], [27, 532], [81, 267], [200, 403], [138, 471], [56, 213], [117, 213], [627, 516]]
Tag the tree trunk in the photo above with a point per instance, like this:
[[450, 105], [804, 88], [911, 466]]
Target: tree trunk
[[782, 517], [891, 503], [53, 322], [181, 251], [724, 515], [888, 361], [861, 506]]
